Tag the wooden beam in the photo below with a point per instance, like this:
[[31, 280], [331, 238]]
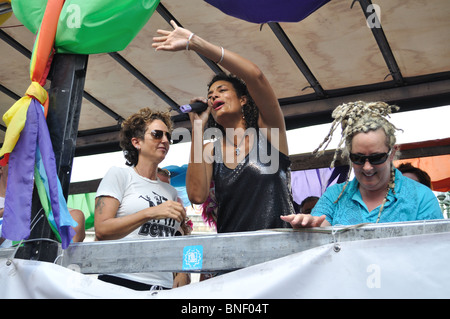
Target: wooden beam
[[410, 150], [84, 187]]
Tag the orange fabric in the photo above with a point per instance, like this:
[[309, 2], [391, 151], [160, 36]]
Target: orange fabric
[[45, 40], [438, 167]]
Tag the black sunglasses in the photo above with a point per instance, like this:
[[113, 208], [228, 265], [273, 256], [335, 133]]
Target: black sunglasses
[[374, 159], [158, 135]]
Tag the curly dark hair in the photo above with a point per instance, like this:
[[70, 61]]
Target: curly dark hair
[[135, 126], [251, 112]]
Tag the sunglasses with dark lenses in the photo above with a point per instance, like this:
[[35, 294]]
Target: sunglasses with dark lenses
[[158, 135], [374, 159]]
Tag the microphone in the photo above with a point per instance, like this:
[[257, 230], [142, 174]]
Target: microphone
[[196, 107]]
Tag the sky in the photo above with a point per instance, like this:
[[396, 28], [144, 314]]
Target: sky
[[420, 125]]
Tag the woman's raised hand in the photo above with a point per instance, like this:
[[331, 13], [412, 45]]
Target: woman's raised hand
[[174, 40]]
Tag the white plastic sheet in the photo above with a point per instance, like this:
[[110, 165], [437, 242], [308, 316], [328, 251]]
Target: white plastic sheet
[[25, 279], [405, 267]]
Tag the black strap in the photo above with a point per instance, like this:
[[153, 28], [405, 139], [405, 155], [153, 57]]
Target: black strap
[[128, 283]]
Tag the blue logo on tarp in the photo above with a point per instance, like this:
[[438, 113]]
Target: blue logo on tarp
[[192, 257]]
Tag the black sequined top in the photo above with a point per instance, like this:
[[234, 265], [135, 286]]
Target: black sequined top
[[254, 194]]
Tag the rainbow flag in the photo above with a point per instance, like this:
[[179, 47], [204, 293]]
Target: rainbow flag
[[28, 150], [33, 161]]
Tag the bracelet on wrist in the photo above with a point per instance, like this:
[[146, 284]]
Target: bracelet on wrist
[[221, 57], [189, 40]]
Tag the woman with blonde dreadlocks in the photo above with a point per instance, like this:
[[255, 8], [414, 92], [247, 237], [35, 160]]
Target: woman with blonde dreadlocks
[[379, 192]]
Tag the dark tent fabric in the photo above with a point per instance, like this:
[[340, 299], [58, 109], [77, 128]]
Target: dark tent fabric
[[263, 11], [314, 182]]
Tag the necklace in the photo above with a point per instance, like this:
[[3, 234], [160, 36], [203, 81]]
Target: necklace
[[237, 148], [135, 168]]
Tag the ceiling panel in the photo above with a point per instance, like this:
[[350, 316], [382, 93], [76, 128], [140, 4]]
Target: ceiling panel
[[320, 37], [15, 69], [116, 87], [329, 58], [92, 117], [185, 74], [248, 39], [419, 34]]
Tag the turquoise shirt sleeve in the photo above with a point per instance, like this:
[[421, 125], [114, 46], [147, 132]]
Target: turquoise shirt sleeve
[[410, 201]]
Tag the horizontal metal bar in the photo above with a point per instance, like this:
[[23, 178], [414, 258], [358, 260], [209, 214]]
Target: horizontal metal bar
[[225, 252]]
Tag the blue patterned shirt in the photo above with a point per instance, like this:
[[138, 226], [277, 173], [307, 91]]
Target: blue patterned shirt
[[411, 201]]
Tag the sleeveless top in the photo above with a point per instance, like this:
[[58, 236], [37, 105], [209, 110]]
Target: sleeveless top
[[254, 194]]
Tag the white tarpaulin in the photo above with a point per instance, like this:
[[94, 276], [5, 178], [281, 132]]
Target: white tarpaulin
[[41, 280], [404, 267]]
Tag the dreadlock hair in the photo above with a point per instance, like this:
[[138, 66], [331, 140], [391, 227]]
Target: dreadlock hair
[[360, 117], [250, 110], [135, 126]]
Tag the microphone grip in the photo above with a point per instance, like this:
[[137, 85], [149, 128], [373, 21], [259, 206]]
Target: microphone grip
[[196, 107]]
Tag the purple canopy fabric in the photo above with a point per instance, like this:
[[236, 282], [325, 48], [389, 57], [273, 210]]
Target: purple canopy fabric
[[263, 11], [314, 182]]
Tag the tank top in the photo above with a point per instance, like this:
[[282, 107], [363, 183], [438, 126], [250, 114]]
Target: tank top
[[254, 194]]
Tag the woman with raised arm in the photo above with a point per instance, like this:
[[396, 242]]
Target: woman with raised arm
[[132, 203], [251, 190]]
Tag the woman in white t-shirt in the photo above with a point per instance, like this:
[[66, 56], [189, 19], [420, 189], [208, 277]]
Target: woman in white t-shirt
[[131, 202]]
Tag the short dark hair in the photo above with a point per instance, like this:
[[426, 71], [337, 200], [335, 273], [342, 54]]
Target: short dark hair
[[308, 199], [422, 176]]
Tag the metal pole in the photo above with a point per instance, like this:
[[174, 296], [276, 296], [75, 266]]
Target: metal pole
[[65, 94]]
